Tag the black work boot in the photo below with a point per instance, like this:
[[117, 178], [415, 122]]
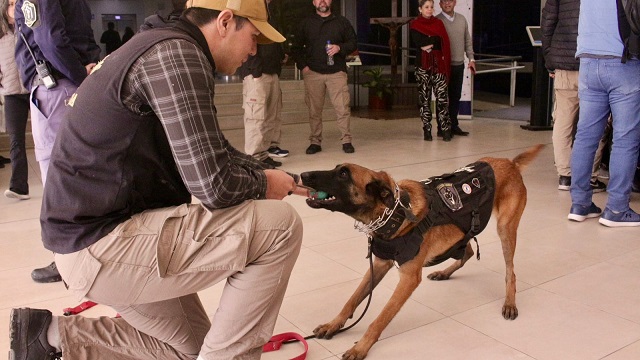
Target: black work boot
[[446, 135], [28, 333], [46, 274]]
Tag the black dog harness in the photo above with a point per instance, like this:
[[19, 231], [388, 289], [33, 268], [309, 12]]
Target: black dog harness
[[463, 198]]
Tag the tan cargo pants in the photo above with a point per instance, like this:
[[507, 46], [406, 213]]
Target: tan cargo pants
[[316, 86], [150, 268], [262, 104]]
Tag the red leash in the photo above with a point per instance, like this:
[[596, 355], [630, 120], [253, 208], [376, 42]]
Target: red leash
[[275, 343], [78, 309]]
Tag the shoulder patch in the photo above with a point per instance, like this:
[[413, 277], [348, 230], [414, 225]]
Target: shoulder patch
[[31, 14]]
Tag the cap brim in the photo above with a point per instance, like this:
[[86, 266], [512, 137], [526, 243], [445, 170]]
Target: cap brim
[[268, 34]]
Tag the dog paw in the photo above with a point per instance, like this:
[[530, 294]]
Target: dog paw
[[438, 275], [353, 354], [325, 331], [510, 312]]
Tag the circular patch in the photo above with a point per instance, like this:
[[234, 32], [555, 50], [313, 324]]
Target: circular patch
[[466, 188]]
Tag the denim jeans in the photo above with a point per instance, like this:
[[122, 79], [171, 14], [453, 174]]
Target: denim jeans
[[607, 85]]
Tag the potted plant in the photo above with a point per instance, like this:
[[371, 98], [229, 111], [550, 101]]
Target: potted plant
[[379, 89]]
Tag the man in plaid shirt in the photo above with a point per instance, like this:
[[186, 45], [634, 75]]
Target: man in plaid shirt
[[140, 139]]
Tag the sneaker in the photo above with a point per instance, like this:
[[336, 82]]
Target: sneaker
[[348, 148], [313, 148], [564, 183], [47, 274], [581, 213], [28, 334], [14, 195], [597, 186], [272, 163], [275, 151], [627, 218]]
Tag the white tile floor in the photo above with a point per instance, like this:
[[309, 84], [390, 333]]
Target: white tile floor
[[578, 283]]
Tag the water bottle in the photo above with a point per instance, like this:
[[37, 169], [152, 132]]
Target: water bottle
[[329, 57]]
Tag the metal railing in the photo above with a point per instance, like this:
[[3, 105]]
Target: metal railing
[[497, 63]]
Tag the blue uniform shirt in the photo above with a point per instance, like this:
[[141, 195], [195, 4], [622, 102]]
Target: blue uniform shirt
[[58, 31]]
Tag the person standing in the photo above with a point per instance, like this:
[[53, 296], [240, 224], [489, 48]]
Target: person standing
[[16, 104], [143, 130], [461, 45], [320, 47], [111, 38], [559, 26], [128, 34], [58, 33], [433, 62], [262, 102], [609, 82], [160, 20]]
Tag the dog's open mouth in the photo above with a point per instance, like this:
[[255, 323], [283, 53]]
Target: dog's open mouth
[[319, 199]]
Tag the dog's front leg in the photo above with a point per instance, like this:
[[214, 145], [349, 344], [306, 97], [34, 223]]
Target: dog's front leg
[[380, 269], [410, 278]]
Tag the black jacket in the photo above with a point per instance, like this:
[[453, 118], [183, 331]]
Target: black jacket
[[559, 26], [309, 43]]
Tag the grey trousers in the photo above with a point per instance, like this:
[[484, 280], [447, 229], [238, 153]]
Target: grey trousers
[[150, 268]]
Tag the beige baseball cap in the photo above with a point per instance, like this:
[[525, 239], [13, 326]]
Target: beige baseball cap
[[254, 10]]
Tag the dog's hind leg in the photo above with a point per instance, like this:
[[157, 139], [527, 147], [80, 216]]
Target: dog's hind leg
[[446, 273], [508, 218], [380, 269]]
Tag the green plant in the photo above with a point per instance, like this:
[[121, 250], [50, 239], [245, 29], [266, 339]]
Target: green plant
[[377, 83]]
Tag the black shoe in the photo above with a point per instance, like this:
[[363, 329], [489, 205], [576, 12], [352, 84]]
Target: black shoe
[[427, 134], [271, 163], [597, 186], [47, 274], [439, 133], [348, 148], [446, 135], [564, 183], [4, 160], [457, 131], [28, 334], [313, 148]]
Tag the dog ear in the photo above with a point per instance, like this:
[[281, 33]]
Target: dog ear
[[379, 188]]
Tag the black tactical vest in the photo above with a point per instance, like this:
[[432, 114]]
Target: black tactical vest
[[463, 198]]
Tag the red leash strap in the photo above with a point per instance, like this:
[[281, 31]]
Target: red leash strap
[[78, 309], [275, 343]]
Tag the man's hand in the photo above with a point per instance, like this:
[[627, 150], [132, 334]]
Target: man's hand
[[281, 184], [472, 67], [332, 49]]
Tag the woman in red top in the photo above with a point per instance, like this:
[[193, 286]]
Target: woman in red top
[[433, 64]]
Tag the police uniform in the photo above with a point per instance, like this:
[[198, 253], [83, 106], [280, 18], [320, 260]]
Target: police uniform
[[58, 33]]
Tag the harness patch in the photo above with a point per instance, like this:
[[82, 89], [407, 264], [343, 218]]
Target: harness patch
[[31, 13]]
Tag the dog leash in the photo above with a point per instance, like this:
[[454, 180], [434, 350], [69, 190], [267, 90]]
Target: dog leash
[[276, 342]]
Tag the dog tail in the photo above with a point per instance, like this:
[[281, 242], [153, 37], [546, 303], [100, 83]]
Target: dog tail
[[521, 161]]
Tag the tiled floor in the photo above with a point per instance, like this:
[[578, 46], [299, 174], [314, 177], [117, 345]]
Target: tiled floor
[[578, 283]]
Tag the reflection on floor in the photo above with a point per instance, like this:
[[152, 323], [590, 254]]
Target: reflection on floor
[[578, 283]]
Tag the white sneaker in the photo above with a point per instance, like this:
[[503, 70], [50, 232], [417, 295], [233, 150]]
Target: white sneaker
[[14, 195]]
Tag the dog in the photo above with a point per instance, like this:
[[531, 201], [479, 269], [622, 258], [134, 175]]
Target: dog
[[401, 218]]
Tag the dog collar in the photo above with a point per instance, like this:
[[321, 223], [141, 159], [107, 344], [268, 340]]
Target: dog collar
[[391, 219]]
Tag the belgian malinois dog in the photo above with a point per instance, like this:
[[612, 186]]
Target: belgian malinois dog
[[414, 224]]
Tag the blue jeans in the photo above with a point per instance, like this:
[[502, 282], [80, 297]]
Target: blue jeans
[[607, 86]]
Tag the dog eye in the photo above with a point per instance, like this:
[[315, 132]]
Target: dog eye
[[343, 173]]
